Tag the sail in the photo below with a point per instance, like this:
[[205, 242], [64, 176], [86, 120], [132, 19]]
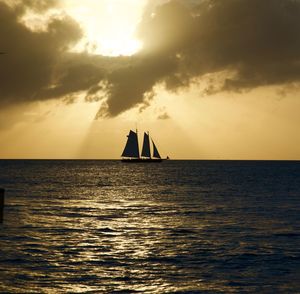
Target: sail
[[132, 146], [146, 146], [155, 151]]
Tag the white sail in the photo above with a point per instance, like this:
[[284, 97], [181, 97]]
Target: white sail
[[132, 146], [146, 147], [155, 151]]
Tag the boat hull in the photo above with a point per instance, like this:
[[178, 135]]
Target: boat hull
[[141, 160]]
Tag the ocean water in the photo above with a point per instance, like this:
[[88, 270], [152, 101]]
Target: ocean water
[[174, 227]]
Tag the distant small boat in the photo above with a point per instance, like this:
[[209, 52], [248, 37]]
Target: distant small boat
[[131, 151]]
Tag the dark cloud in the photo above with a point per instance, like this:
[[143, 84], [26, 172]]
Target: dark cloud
[[163, 116], [38, 65], [32, 57], [251, 42], [75, 73], [132, 84]]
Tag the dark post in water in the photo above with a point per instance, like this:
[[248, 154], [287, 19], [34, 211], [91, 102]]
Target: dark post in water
[[1, 204]]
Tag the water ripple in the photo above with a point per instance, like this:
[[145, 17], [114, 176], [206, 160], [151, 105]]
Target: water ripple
[[177, 227]]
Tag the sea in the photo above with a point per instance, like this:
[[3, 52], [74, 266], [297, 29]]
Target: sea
[[103, 226]]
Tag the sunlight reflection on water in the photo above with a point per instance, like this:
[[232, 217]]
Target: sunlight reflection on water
[[79, 226]]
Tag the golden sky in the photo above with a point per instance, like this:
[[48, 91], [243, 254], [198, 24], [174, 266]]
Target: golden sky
[[210, 79]]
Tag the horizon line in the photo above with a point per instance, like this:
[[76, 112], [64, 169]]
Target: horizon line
[[115, 159]]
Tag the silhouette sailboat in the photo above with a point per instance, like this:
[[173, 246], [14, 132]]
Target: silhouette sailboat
[[131, 151]]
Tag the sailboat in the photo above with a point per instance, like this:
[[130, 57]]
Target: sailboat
[[131, 151]]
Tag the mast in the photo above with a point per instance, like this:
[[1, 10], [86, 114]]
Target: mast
[[132, 146], [146, 146]]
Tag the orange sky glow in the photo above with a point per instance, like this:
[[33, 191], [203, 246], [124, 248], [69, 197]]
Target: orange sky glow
[[187, 114]]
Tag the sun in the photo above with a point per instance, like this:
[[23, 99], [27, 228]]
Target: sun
[[109, 25]]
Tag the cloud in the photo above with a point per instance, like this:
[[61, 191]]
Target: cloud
[[39, 5], [252, 42], [248, 43], [38, 65], [75, 73], [134, 83], [163, 116], [32, 57]]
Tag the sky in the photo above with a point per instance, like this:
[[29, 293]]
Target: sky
[[209, 79]]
